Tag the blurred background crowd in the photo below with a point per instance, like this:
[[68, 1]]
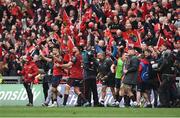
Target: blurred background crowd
[[33, 26], [112, 27]]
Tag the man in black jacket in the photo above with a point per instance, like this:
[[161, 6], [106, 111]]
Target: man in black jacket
[[90, 67]]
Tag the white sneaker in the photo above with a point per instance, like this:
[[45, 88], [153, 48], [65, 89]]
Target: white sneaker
[[44, 104], [117, 103], [113, 104], [86, 104], [133, 104], [53, 105], [122, 106]]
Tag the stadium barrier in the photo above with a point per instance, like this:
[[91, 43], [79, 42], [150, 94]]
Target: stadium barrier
[[15, 94]]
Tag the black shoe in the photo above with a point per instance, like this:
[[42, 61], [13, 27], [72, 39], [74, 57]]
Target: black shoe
[[101, 104], [78, 105], [97, 105], [161, 106], [29, 104], [61, 96], [149, 106], [44, 104]]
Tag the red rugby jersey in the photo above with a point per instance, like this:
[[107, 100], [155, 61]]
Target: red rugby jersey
[[76, 71]]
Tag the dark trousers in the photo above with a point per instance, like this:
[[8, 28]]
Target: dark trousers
[[46, 81], [45, 89], [91, 87], [165, 91], [28, 87]]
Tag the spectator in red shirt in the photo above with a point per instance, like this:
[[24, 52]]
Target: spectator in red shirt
[[29, 71]]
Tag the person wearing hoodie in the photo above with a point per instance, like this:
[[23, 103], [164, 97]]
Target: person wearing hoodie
[[143, 86]]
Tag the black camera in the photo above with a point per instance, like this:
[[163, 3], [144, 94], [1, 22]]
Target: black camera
[[90, 55], [91, 60]]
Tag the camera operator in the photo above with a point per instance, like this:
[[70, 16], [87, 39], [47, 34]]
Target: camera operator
[[154, 78], [90, 66], [176, 53], [167, 71]]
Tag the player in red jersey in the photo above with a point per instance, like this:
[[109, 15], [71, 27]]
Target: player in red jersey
[[57, 60], [76, 71]]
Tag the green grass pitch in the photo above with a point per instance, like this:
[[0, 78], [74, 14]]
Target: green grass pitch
[[29, 112]]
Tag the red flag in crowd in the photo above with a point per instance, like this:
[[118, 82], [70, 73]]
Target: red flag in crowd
[[87, 15], [81, 2], [161, 41], [56, 36], [70, 44], [132, 37], [60, 40], [66, 18], [144, 10], [30, 50]]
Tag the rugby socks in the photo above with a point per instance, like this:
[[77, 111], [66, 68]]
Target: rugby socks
[[127, 101], [120, 98], [117, 97], [79, 101], [65, 99]]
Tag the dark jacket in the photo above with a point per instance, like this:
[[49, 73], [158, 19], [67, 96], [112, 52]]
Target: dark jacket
[[90, 66], [167, 65], [105, 68], [132, 66], [90, 70]]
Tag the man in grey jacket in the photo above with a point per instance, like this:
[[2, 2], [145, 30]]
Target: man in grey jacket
[[130, 75]]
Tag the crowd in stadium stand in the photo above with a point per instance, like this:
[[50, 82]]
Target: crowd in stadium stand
[[131, 46]]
